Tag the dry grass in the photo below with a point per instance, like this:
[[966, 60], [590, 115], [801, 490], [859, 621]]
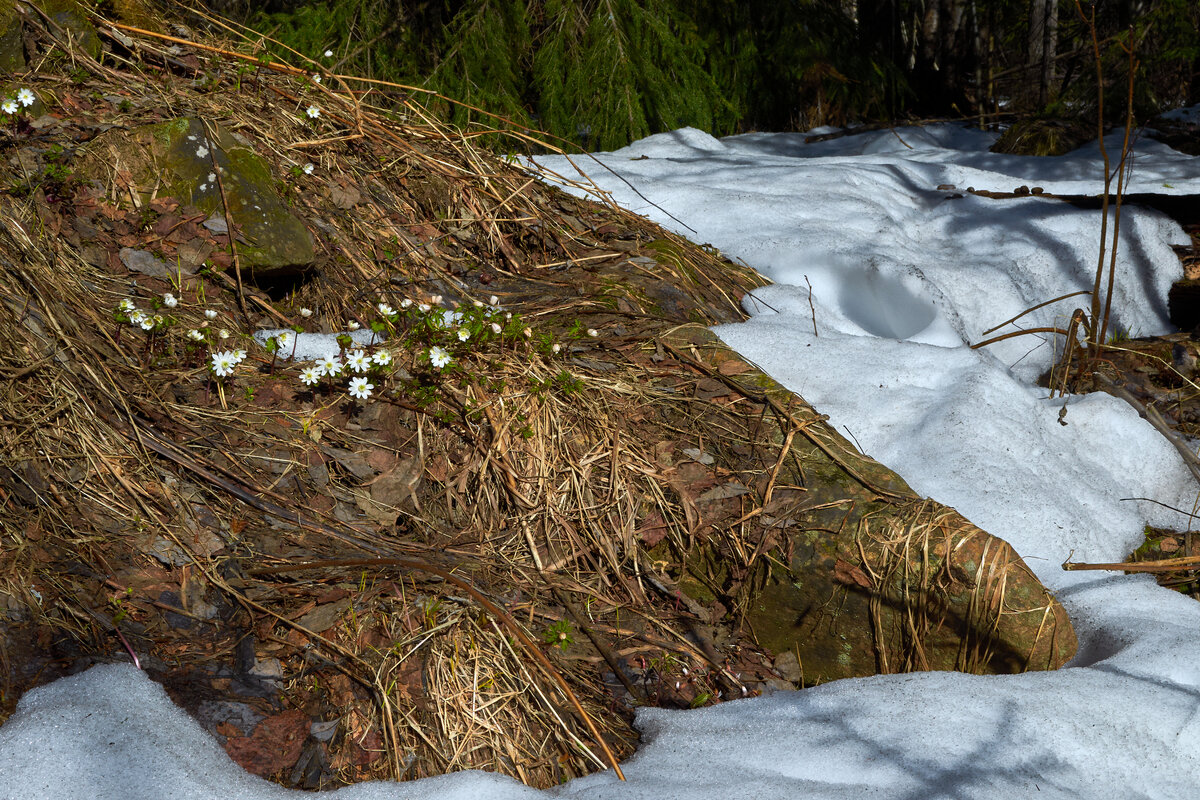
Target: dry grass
[[410, 561]]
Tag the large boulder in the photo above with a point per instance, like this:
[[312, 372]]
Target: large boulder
[[862, 575], [176, 159]]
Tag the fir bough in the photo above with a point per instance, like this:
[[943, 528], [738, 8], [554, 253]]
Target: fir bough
[[600, 73]]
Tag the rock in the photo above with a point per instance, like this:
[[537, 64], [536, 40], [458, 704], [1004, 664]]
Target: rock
[[12, 45], [144, 262], [175, 159], [68, 16], [867, 577]]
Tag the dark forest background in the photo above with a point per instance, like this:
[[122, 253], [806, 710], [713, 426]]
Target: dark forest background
[[601, 73]]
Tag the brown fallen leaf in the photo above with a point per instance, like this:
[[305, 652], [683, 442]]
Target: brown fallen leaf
[[850, 574]]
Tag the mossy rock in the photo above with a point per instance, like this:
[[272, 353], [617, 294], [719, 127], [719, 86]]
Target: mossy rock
[[71, 17], [175, 159], [867, 577], [12, 45]]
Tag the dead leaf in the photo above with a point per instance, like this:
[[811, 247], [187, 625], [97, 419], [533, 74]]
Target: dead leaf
[[344, 197], [275, 744], [850, 574]]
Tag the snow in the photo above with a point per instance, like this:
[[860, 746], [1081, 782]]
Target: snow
[[903, 275]]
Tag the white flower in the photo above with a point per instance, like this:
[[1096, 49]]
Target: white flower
[[423, 307], [592, 332], [195, 335], [358, 361], [283, 339], [137, 318], [436, 299], [493, 300], [240, 355], [463, 334], [382, 358], [147, 323], [125, 305], [308, 168], [208, 312], [405, 303], [477, 303], [496, 329], [352, 325], [360, 388], [306, 312], [169, 300], [223, 363], [316, 78], [222, 334], [556, 347], [25, 98], [310, 375], [313, 112], [329, 54], [330, 365], [385, 309], [9, 106], [157, 319], [438, 357]]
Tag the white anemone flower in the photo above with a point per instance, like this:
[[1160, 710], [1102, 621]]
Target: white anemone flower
[[147, 323], [313, 112], [423, 307], [463, 334], [330, 365], [240, 355], [405, 303], [382, 357], [329, 54], [223, 363], [385, 309], [195, 335], [308, 168], [310, 375], [126, 305], [496, 329], [438, 357], [360, 389], [358, 361], [210, 313], [306, 312], [283, 339], [316, 78], [9, 106], [169, 300], [493, 300], [222, 334], [352, 325], [25, 98], [592, 332]]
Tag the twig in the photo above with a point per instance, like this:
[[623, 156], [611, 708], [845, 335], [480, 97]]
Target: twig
[[1035, 308]]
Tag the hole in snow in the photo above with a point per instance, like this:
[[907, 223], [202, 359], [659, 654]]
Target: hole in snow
[[882, 306]]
